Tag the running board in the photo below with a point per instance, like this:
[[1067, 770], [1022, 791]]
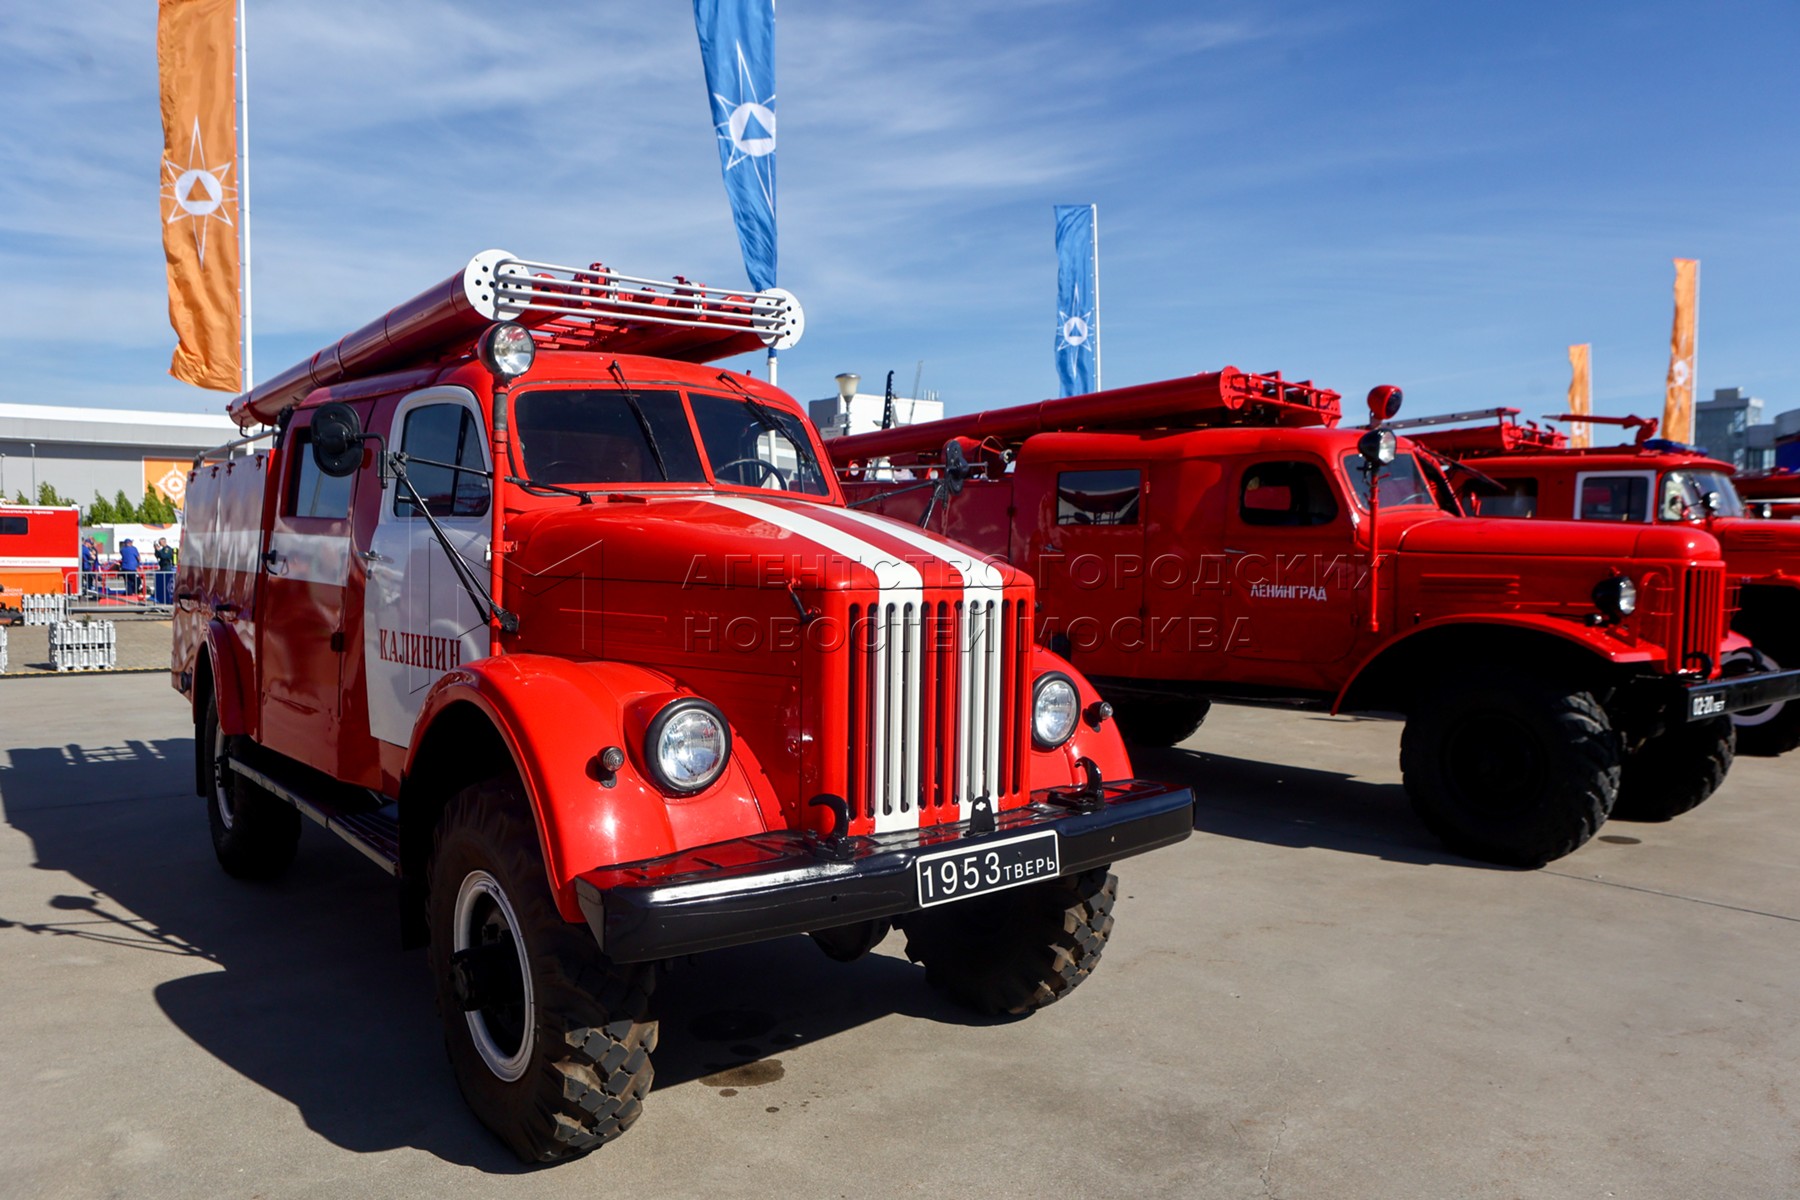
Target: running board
[[373, 831]]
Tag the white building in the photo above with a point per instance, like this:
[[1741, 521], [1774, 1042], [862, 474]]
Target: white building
[[851, 411], [81, 451]]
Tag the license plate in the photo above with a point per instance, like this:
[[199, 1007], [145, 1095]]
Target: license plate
[[1707, 706], [990, 867]]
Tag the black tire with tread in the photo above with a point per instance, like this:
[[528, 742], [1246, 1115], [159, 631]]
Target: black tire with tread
[[1676, 771], [1160, 723], [1018, 950], [590, 1068], [264, 832], [1464, 740]]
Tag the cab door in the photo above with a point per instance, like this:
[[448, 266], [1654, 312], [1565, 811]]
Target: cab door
[[1291, 563], [1086, 548], [418, 622], [300, 629]]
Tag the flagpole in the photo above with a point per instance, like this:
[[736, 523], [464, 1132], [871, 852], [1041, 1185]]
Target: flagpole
[[1098, 386], [243, 98]]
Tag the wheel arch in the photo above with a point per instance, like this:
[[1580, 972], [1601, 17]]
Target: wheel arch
[[1388, 680], [1769, 615]]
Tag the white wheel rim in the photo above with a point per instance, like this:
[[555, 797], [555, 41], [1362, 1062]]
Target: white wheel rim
[[1756, 660], [221, 794], [476, 887]]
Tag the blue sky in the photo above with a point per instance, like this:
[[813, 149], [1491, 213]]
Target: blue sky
[[1442, 196]]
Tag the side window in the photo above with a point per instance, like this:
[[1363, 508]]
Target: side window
[[1519, 499], [14, 526], [1286, 493], [445, 463], [1615, 498], [311, 492], [1098, 497]]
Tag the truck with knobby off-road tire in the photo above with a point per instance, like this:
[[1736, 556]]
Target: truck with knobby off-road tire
[[571, 633], [1221, 537]]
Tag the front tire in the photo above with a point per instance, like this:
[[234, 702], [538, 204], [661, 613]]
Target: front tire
[[254, 834], [549, 1039], [1773, 729], [1017, 950], [1676, 771], [1160, 723], [1513, 772]]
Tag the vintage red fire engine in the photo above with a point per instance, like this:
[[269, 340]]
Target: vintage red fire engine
[[1531, 470], [1215, 537], [1772, 495], [572, 634]]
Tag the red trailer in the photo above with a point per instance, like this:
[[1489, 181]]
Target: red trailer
[[40, 550]]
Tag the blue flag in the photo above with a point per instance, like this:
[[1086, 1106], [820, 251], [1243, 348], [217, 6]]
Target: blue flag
[[737, 45], [1077, 300]]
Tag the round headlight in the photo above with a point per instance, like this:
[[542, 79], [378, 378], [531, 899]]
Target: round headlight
[[1055, 706], [687, 746], [1616, 596], [507, 349]]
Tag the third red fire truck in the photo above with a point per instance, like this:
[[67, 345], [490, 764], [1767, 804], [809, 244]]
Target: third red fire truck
[[1219, 537], [1531, 470], [571, 633]]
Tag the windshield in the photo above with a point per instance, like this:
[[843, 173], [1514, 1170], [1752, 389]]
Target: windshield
[[1684, 495], [1401, 482], [574, 437]]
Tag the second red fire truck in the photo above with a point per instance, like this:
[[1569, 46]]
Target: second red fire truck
[[1220, 537], [572, 634]]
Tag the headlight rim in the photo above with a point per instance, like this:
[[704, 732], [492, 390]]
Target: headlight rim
[[653, 734], [489, 352], [1616, 596], [1037, 690]]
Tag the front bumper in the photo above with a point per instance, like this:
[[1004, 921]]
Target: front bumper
[[1704, 701], [774, 884]]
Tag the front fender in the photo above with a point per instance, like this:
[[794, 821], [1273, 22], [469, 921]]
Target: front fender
[[1584, 637], [230, 670], [1102, 743], [556, 716]]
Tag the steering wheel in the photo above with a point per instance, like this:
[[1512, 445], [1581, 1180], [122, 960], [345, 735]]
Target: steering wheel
[[767, 469]]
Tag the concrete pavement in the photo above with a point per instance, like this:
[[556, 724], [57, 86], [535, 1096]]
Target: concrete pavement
[[1308, 999]]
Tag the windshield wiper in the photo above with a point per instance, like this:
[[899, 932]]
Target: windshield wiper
[[643, 422], [532, 485]]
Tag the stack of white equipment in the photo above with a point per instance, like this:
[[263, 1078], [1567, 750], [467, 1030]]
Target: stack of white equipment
[[84, 646], [48, 609]]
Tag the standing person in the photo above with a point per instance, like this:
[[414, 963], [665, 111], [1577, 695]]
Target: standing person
[[90, 566], [129, 562], [165, 571]]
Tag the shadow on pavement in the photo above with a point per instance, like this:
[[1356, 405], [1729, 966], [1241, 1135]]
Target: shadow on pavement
[[301, 987], [1283, 805]]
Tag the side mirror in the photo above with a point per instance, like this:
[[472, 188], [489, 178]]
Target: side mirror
[[956, 466], [337, 439], [1378, 448]]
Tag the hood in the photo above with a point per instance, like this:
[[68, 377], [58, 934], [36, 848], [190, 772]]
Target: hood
[[743, 541], [1557, 539], [1752, 535]]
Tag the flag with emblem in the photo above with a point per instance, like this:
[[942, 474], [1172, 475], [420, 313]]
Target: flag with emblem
[[737, 47], [1077, 299], [1581, 396], [196, 42], [1678, 396]]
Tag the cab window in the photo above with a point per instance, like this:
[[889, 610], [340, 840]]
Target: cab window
[[1401, 482], [1519, 500], [1286, 493], [1615, 498], [752, 444], [1098, 497], [14, 526], [1687, 495], [570, 436], [311, 492], [444, 462]]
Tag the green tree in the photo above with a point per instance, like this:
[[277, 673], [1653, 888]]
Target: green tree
[[156, 509], [125, 510], [19, 497], [48, 495], [100, 512]]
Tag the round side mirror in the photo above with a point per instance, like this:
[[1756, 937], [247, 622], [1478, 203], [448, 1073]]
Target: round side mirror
[[956, 466], [337, 439], [1378, 448]]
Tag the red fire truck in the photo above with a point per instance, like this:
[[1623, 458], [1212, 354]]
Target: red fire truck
[[1218, 536], [40, 550], [1532, 471], [1770, 494], [571, 633]]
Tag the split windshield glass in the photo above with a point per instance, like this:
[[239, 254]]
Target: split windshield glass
[[752, 444], [1401, 482]]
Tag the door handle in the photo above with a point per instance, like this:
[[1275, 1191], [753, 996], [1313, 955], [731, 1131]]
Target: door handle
[[272, 559]]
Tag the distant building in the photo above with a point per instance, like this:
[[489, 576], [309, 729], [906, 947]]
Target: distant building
[[81, 451], [1722, 425], [852, 411], [1787, 439]]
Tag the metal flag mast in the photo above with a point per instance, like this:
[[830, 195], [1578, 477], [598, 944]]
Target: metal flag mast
[[243, 99], [1098, 384]]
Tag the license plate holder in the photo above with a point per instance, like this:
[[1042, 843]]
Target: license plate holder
[[978, 870]]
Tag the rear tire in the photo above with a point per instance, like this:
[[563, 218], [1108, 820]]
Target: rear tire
[[1773, 729], [1158, 723], [1017, 950], [1676, 771], [549, 1039], [1511, 771], [254, 833]]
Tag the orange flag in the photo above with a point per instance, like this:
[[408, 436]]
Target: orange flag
[[196, 43], [1678, 398], [1581, 397]]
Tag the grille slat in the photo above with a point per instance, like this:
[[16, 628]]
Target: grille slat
[[1702, 613]]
